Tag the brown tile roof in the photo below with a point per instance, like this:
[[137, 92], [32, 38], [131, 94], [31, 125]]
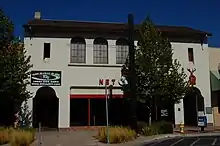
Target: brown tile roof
[[83, 25]]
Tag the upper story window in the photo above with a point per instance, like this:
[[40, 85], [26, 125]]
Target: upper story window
[[190, 55], [122, 51], [78, 50], [46, 50], [100, 51]]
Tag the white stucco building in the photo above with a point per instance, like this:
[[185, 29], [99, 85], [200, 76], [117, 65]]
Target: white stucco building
[[82, 53], [214, 65]]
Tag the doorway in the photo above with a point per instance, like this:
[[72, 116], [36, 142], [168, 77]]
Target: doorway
[[98, 112], [78, 112], [45, 108], [192, 102]]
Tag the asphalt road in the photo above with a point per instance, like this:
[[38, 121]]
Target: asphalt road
[[187, 141]]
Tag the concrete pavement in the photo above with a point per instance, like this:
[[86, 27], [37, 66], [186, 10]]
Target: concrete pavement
[[86, 138], [65, 138]]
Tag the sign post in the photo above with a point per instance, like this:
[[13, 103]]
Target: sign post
[[106, 105], [202, 121]]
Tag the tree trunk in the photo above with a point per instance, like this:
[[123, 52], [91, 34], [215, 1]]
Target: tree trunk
[[156, 112], [155, 107]]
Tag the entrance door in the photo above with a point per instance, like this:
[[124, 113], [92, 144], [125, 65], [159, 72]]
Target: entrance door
[[78, 112], [193, 102], [45, 108], [97, 112]]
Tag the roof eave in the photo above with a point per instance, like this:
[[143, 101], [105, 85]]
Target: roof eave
[[202, 33]]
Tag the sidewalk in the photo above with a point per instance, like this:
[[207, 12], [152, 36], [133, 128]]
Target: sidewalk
[[191, 130], [65, 138], [86, 138]]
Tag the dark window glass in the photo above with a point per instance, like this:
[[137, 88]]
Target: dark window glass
[[46, 50], [190, 54]]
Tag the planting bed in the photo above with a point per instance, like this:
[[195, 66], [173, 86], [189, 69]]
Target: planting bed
[[16, 137]]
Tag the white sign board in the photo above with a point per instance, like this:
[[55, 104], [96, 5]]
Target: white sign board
[[201, 113]]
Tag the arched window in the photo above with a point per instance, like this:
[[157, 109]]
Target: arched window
[[100, 51], [122, 51], [78, 50]]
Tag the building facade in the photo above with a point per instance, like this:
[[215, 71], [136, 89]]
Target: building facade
[[73, 60], [214, 61]]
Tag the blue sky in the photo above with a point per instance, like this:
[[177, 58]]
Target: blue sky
[[199, 14]]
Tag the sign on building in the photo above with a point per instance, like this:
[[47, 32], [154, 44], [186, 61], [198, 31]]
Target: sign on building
[[45, 78], [106, 82], [164, 112]]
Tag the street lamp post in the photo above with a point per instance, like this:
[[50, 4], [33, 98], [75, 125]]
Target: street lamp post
[[106, 110], [107, 97]]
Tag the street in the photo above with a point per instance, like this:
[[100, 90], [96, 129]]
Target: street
[[187, 141]]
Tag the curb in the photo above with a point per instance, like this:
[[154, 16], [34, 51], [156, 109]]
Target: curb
[[201, 134], [159, 137]]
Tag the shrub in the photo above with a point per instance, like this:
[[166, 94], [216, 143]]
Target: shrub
[[4, 137], [21, 137], [165, 127], [141, 125], [150, 130], [158, 128], [2, 128], [33, 130], [17, 137], [117, 134]]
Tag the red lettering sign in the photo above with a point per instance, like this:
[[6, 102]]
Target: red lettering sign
[[113, 81], [107, 82], [101, 81]]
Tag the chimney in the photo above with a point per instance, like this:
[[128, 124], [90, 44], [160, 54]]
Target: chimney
[[37, 15]]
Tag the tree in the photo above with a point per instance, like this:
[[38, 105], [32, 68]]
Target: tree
[[14, 75], [160, 78], [24, 116]]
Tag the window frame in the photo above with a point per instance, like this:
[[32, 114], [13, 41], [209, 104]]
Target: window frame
[[77, 46], [122, 46], [100, 51]]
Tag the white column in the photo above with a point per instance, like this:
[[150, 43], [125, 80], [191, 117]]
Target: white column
[[64, 106], [179, 112]]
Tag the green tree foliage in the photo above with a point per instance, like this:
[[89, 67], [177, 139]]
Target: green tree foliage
[[14, 74], [160, 78], [24, 116]]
